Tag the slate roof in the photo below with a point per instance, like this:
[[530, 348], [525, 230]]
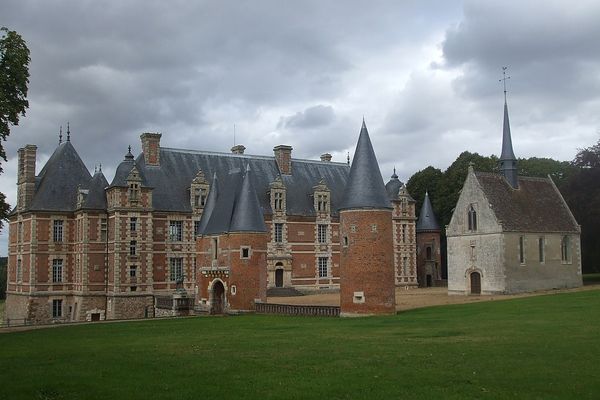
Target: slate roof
[[536, 206], [393, 186], [123, 170], [171, 180], [427, 221], [365, 188], [58, 182], [96, 197]]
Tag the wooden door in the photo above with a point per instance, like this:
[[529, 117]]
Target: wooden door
[[278, 278], [475, 283]]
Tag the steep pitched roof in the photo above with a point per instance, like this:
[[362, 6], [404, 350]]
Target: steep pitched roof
[[393, 186], [427, 220], [211, 203], [247, 216], [171, 180], [59, 180], [365, 188], [219, 220], [536, 206], [96, 198], [507, 147]]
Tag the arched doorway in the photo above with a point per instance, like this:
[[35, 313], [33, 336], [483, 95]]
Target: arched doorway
[[475, 283], [429, 280], [218, 298], [279, 277]]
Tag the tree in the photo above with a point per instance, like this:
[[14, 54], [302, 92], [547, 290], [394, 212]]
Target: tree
[[14, 80]]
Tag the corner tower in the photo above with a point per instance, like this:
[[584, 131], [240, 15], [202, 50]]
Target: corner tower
[[429, 268], [366, 259]]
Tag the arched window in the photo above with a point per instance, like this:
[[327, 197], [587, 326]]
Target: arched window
[[472, 218]]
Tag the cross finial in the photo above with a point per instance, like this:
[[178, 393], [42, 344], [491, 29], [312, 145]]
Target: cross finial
[[60, 135], [68, 132], [503, 80]]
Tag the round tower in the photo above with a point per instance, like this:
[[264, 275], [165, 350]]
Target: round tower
[[366, 261]]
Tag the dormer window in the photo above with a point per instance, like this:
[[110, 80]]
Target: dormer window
[[134, 190], [278, 201], [322, 203], [472, 218], [199, 191], [200, 197]]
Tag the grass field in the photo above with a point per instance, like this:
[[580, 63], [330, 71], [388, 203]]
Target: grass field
[[545, 347]]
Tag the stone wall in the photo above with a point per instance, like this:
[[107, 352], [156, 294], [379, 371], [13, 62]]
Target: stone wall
[[130, 307]]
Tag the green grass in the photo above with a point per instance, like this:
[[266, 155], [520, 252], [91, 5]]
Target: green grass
[[545, 347]]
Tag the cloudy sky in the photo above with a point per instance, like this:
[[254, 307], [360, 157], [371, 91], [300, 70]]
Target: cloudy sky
[[424, 74]]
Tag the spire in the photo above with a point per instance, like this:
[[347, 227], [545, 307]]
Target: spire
[[60, 135], [68, 132], [427, 220], [508, 161], [129, 156], [365, 188], [247, 215], [394, 176]]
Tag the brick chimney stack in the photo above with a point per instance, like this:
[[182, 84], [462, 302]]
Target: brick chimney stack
[[238, 149], [151, 148], [26, 176], [283, 156], [326, 157]]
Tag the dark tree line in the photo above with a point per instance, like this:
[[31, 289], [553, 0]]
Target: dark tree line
[[578, 181]]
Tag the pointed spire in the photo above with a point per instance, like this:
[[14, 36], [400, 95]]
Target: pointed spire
[[365, 188], [60, 135], [68, 132], [247, 215], [508, 161], [427, 220]]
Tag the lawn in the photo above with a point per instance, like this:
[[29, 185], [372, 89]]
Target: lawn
[[544, 347]]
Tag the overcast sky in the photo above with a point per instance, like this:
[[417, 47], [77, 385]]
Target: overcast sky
[[304, 73]]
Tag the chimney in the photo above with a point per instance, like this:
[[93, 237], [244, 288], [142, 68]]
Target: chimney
[[238, 149], [151, 148], [26, 176], [326, 157], [283, 156]]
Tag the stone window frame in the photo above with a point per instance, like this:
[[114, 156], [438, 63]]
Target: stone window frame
[[57, 308], [57, 270], [133, 248], [247, 250], [196, 228], [566, 250], [103, 236], [278, 232], [58, 230], [133, 224], [472, 218], [522, 247], [323, 270], [175, 230], [278, 200], [322, 233], [542, 249], [175, 268], [133, 268], [19, 271]]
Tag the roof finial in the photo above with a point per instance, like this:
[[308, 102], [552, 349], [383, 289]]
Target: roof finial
[[68, 132], [100, 167], [348, 158], [60, 135], [503, 80], [95, 169], [129, 149]]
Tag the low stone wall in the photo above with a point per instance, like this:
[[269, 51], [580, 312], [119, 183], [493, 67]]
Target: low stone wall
[[300, 310]]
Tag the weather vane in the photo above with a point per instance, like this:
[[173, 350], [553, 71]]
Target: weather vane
[[503, 80]]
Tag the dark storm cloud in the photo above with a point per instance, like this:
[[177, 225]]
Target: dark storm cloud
[[313, 117]]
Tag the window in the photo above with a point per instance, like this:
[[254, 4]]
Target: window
[[133, 288], [103, 229], [196, 228], [56, 308], [428, 253], [176, 269], [133, 248], [245, 252], [405, 266], [176, 231], [57, 231], [323, 267], [542, 255], [472, 218], [19, 270], [278, 201], [133, 224], [322, 233], [57, 270], [133, 191], [215, 248], [133, 271], [403, 233], [278, 233], [322, 203], [522, 249], [20, 232], [565, 249], [345, 241], [233, 290], [200, 198]]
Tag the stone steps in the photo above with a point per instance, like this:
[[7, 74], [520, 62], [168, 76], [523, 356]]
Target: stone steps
[[283, 292]]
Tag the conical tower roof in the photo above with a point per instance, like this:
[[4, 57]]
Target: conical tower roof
[[247, 215], [427, 221], [393, 186], [96, 198], [507, 147], [365, 188]]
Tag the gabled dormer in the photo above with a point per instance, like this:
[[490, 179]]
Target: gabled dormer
[[322, 199], [278, 197], [134, 187], [199, 189]]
